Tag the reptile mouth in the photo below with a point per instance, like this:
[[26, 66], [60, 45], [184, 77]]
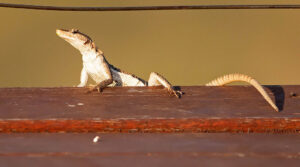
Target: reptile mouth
[[59, 32], [65, 34]]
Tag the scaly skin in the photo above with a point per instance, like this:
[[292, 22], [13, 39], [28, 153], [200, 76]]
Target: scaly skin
[[241, 77], [104, 74]]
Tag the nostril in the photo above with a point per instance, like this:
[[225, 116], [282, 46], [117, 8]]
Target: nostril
[[58, 31]]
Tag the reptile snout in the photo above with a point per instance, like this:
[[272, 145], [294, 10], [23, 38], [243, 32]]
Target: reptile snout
[[59, 32]]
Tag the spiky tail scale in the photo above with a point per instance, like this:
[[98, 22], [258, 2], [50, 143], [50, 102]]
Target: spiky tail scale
[[241, 77]]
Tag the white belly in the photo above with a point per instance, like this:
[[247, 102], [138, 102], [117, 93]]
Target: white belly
[[123, 79], [95, 70]]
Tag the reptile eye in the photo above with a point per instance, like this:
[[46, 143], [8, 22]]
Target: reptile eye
[[86, 42], [74, 30]]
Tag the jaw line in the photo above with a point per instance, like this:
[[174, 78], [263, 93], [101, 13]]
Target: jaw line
[[68, 37], [63, 34]]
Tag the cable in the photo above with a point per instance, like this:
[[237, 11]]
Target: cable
[[138, 8]]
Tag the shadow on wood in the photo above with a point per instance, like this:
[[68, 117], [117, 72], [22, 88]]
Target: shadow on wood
[[279, 96]]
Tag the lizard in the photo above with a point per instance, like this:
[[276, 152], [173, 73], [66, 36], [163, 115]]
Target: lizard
[[104, 74]]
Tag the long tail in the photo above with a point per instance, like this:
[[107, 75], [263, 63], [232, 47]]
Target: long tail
[[241, 77]]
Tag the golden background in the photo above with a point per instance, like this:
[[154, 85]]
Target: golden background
[[189, 47]]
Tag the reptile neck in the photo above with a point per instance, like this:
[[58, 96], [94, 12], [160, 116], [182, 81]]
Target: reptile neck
[[90, 55]]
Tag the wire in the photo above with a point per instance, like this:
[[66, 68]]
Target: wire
[[138, 8]]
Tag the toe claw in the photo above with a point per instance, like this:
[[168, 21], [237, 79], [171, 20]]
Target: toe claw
[[176, 93]]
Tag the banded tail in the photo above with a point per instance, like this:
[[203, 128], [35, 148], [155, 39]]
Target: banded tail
[[241, 77]]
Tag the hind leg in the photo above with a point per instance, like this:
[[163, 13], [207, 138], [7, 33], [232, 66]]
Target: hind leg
[[156, 79]]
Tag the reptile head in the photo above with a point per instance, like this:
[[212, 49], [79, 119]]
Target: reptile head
[[77, 39]]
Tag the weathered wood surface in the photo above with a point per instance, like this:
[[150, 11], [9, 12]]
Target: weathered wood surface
[[132, 109], [141, 149]]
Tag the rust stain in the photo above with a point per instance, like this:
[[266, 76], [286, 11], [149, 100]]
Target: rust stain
[[233, 125]]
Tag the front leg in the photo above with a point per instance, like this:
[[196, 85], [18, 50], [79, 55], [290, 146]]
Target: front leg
[[83, 78], [156, 79], [106, 77], [100, 86]]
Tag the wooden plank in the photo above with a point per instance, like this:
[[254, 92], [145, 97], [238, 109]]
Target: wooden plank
[[135, 109], [155, 149]]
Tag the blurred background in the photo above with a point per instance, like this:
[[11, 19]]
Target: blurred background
[[188, 47]]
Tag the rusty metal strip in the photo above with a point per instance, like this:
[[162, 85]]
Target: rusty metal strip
[[233, 125]]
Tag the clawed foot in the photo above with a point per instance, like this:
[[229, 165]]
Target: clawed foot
[[177, 93], [94, 87]]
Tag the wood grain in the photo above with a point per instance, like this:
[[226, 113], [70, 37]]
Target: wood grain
[[140, 149], [136, 109]]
